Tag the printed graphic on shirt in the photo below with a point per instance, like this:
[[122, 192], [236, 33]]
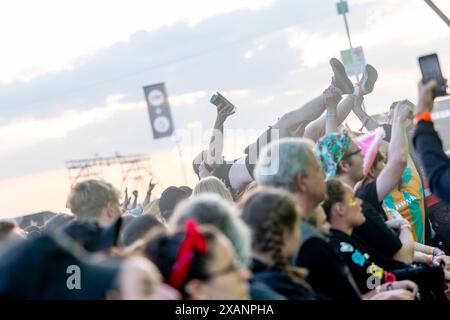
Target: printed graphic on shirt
[[358, 258], [346, 247], [408, 200], [376, 275]]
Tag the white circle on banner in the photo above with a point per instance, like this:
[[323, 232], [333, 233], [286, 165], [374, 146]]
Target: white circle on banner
[[161, 124], [156, 97]]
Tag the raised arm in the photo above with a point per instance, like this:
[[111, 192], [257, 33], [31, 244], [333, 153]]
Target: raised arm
[[148, 195], [215, 149], [429, 146], [368, 122], [397, 154], [135, 199], [318, 128], [331, 124]]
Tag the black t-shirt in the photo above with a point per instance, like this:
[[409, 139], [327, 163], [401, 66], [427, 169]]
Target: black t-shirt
[[367, 274], [374, 232], [223, 172], [282, 283], [328, 273]]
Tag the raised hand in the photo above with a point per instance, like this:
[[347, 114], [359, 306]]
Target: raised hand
[[425, 101], [126, 201], [151, 186], [135, 195], [223, 112], [404, 110]]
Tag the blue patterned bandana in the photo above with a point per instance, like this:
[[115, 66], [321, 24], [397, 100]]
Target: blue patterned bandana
[[330, 150]]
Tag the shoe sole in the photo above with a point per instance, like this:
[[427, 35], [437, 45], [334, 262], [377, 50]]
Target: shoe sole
[[339, 72], [372, 76]]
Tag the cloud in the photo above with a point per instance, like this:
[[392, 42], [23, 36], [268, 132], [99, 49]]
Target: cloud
[[50, 35], [295, 92], [205, 56], [14, 137], [22, 134], [259, 46], [187, 99], [289, 52], [396, 22], [314, 48], [265, 100]]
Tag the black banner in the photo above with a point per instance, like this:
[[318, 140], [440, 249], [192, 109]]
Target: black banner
[[159, 110]]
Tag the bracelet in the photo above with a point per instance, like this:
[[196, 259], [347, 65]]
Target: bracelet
[[432, 259], [331, 114], [390, 287], [424, 116], [429, 259], [437, 252]]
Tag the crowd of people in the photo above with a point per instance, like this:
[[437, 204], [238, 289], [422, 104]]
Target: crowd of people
[[311, 211]]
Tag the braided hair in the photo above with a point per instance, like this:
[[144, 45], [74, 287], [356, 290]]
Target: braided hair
[[269, 212]]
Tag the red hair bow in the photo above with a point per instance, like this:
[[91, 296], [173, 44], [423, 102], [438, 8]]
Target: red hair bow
[[193, 242]]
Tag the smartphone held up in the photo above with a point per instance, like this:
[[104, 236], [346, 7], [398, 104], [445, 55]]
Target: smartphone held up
[[221, 102], [431, 70]]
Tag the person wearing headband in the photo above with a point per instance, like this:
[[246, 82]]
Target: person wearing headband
[[200, 262]]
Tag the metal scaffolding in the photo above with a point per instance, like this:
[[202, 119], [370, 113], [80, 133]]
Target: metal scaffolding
[[134, 168]]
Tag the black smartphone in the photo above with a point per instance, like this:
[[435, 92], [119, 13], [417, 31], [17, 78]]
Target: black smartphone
[[218, 99], [429, 65]]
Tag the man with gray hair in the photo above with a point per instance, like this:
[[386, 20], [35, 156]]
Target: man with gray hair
[[96, 201], [290, 164]]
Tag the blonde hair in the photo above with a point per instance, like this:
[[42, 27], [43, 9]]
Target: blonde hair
[[248, 188], [212, 185], [88, 198]]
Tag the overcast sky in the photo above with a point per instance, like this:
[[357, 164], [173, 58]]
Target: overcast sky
[[73, 72]]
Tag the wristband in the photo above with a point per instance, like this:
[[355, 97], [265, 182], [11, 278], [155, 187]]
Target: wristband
[[424, 116], [390, 287], [331, 114]]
